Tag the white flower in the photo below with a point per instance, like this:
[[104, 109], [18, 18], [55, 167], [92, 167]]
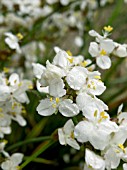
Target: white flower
[[66, 135], [122, 116], [120, 50], [78, 41], [76, 78], [94, 161], [5, 122], [12, 162], [97, 131], [101, 52], [90, 104], [12, 41], [51, 105], [38, 70], [115, 149]]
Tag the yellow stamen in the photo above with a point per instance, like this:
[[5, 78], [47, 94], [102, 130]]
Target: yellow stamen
[[89, 86], [95, 113], [50, 99], [102, 114], [97, 77], [84, 63], [72, 135], [122, 147], [103, 52], [30, 86], [20, 84], [108, 28], [6, 70], [70, 59], [7, 82], [57, 100], [69, 52], [20, 36]]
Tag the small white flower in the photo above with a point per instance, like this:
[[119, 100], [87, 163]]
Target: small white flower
[[120, 50], [66, 135], [76, 78], [12, 41], [12, 162], [89, 105], [49, 106]]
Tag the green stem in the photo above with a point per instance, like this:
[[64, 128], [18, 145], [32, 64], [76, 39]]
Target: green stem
[[41, 160], [37, 153], [39, 139]]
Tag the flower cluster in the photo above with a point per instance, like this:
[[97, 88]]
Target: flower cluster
[[72, 87], [13, 94]]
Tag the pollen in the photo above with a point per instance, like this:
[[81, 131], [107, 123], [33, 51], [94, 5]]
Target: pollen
[[84, 63], [30, 86], [20, 84], [57, 100], [97, 77], [108, 28], [103, 52], [122, 147], [20, 36], [95, 113], [50, 99], [69, 52], [72, 135], [70, 59]]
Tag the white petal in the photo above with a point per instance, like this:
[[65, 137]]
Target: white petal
[[68, 109], [17, 158], [14, 79], [94, 49], [125, 166], [42, 89], [95, 161], [107, 45], [73, 143], [6, 165], [61, 136], [68, 127], [77, 77], [64, 2], [111, 159], [89, 105], [61, 59], [45, 108], [38, 70], [104, 62], [82, 131], [56, 87], [20, 120]]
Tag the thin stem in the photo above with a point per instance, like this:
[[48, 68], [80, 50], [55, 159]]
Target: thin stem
[[41, 160], [39, 139], [37, 153]]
